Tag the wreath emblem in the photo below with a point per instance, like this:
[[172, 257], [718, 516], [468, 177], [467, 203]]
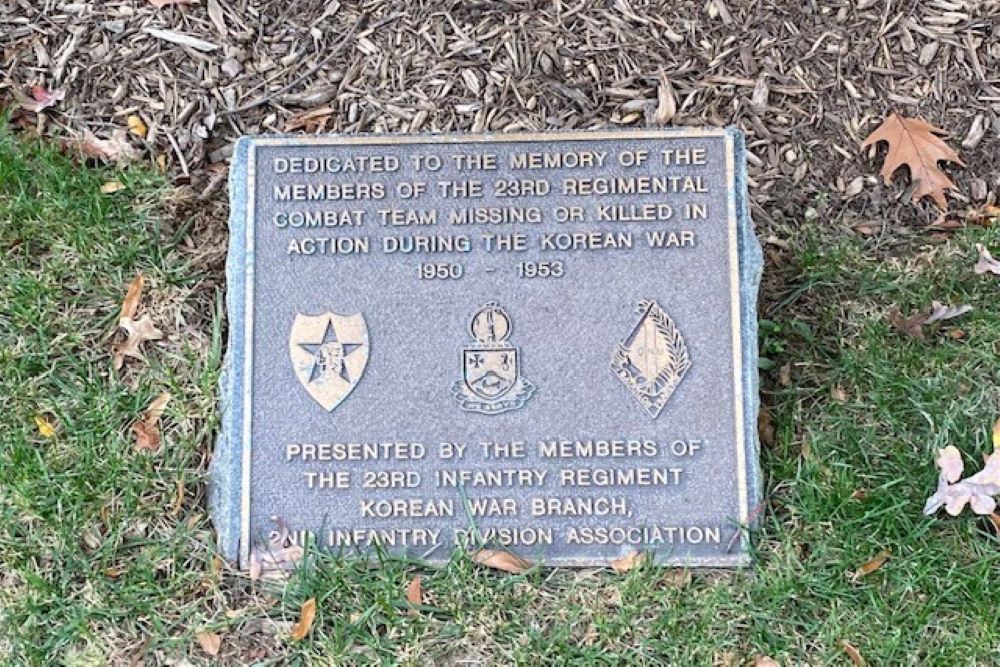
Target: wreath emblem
[[652, 359]]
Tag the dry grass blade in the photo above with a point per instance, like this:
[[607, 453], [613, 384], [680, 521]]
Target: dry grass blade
[[853, 653], [913, 143], [872, 565], [501, 560], [306, 617], [210, 642]]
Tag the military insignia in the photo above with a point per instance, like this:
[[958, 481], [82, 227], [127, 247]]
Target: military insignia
[[491, 379], [329, 353], [653, 358]]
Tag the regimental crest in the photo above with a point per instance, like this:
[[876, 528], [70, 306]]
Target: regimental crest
[[491, 380], [329, 353], [653, 358]]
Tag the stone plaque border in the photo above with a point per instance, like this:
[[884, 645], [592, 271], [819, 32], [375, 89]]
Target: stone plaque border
[[229, 492]]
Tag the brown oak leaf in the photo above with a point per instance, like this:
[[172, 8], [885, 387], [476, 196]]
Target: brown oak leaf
[[115, 149], [210, 642], [501, 560], [415, 593], [147, 435], [913, 143], [138, 330], [305, 622], [874, 564], [629, 561]]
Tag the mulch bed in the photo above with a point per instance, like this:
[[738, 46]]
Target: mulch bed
[[805, 80]]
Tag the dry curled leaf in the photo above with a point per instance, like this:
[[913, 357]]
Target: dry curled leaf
[[278, 556], [137, 127], [996, 435], [112, 187], [147, 435], [913, 143], [765, 661], [415, 592], [305, 622], [137, 331], [912, 326], [986, 263], [627, 562], [501, 560], [853, 653], [45, 427], [941, 312], [115, 149], [41, 98], [995, 520], [210, 642], [311, 121], [872, 565], [839, 394]]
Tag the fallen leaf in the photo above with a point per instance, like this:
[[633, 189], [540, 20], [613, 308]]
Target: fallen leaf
[[306, 617], [838, 394], [41, 98], [111, 187], [765, 427], [130, 305], [45, 428], [116, 149], [859, 494], [210, 642], [785, 375], [278, 556], [913, 143], [311, 121], [139, 331], [996, 435], [765, 661], [137, 127], [874, 564], [911, 326], [627, 562], [501, 560], [986, 263], [160, 4], [147, 435], [941, 312], [415, 593], [853, 653]]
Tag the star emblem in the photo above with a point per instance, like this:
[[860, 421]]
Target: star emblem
[[329, 355]]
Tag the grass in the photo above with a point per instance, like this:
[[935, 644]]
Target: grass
[[106, 553]]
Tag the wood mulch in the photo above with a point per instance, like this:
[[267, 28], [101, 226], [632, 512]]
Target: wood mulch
[[805, 80]]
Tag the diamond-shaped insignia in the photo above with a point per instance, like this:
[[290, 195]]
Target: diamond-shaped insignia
[[653, 359]]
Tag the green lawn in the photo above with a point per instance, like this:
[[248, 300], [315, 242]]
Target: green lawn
[[106, 553]]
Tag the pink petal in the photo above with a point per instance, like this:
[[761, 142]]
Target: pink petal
[[950, 462]]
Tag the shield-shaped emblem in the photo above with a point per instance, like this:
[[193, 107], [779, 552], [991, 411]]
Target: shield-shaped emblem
[[489, 373], [329, 353]]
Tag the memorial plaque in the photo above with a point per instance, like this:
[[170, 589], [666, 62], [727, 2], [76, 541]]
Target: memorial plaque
[[544, 343]]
